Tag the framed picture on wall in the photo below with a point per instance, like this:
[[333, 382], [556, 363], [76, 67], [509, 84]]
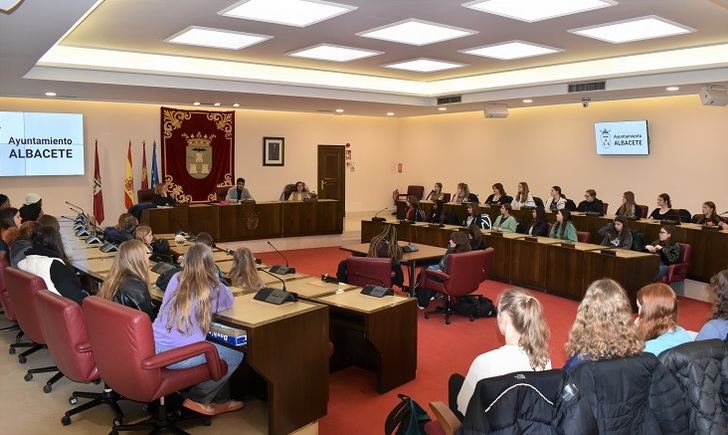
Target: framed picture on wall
[[274, 151]]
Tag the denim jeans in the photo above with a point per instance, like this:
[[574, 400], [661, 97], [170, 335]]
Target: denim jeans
[[210, 391], [661, 272]]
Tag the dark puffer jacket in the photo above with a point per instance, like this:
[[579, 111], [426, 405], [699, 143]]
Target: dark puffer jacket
[[546, 402], [633, 396], [701, 368]]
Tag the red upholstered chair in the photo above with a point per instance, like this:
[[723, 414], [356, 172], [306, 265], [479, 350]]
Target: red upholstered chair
[[417, 191], [583, 236], [446, 197], [5, 298], [145, 195], [64, 330], [363, 271], [465, 273], [642, 211], [605, 207], [122, 344], [23, 288], [221, 192], [679, 271]]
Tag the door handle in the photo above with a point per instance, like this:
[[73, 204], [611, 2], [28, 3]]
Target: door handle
[[322, 184]]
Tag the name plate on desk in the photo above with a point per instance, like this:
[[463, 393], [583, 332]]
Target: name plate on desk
[[376, 291], [567, 245], [669, 222], [594, 213], [435, 225], [406, 222], [495, 234], [378, 219], [708, 228], [409, 248], [275, 296], [531, 239], [609, 252]]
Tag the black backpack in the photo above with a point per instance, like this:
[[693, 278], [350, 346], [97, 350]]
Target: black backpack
[[475, 306], [407, 418]]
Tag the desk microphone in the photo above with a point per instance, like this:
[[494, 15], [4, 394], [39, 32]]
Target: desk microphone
[[76, 208], [376, 217], [229, 252], [273, 295], [276, 277], [280, 269]]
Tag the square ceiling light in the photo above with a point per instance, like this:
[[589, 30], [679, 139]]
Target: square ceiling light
[[424, 65], [216, 38], [333, 53], [531, 11], [416, 32], [299, 13], [635, 29], [511, 50]]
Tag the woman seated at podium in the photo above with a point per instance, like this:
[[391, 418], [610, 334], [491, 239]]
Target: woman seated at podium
[[709, 217], [505, 222], [128, 280], [473, 216], [628, 208], [616, 234], [666, 247], [385, 245], [498, 196], [657, 319], [523, 197], [300, 193], [160, 197], [556, 201], [436, 215], [436, 193], [664, 209], [539, 226], [192, 297], [244, 274], [413, 211], [463, 194], [564, 228]]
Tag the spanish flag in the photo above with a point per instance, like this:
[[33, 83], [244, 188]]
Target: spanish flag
[[145, 179], [128, 181]]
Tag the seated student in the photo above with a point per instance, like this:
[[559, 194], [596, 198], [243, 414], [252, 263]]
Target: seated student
[[9, 219], [564, 228], [22, 242], [244, 273], [123, 230], [413, 212], [556, 200], [603, 328], [32, 209], [144, 234], [616, 234], [539, 226], [4, 201], [473, 216], [386, 245], [521, 322], [628, 208], [192, 297], [300, 193], [436, 193], [161, 198], [664, 209], [477, 242], [128, 280], [238, 192], [436, 215], [48, 220], [523, 197], [47, 259], [666, 247], [505, 222], [463, 194], [206, 239], [717, 325], [591, 203], [709, 217], [657, 319], [498, 196], [459, 242]]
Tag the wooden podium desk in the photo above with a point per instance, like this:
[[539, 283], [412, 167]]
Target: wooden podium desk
[[565, 274], [527, 260], [633, 270], [501, 242]]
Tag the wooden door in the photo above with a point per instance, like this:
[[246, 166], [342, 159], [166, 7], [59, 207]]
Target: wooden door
[[331, 175]]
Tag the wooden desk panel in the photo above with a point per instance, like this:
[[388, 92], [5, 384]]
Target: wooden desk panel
[[633, 270], [564, 276], [528, 261], [299, 218], [501, 242]]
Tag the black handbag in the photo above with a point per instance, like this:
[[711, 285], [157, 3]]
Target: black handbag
[[407, 418]]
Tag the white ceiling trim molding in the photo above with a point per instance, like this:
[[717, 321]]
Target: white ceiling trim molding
[[694, 58]]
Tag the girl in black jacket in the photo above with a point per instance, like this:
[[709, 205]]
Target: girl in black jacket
[[666, 247], [616, 234], [540, 226], [127, 283]]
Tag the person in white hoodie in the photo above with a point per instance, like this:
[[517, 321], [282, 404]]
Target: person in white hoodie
[[47, 259]]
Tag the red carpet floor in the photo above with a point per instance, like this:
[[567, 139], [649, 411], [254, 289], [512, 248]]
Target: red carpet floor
[[354, 406]]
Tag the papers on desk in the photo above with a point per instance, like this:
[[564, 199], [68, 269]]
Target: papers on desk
[[225, 334]]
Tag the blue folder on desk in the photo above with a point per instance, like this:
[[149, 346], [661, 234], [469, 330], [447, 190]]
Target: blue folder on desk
[[229, 335]]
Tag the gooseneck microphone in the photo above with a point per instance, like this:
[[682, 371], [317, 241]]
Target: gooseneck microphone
[[276, 277], [274, 295], [376, 217], [75, 208], [278, 268]]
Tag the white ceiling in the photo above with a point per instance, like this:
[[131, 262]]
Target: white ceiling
[[125, 39]]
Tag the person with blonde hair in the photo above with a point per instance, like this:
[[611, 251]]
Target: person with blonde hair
[[603, 328], [128, 280], [185, 317], [657, 319], [144, 234], [244, 274], [522, 324], [717, 325]]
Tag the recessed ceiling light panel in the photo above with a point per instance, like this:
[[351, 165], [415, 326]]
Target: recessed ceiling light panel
[[424, 65], [672, 88], [635, 29], [216, 38], [512, 50], [416, 32], [536, 10], [334, 53], [299, 13]]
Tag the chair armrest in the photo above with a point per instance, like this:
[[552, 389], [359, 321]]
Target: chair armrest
[[679, 269], [445, 417], [83, 348], [172, 356], [436, 274]]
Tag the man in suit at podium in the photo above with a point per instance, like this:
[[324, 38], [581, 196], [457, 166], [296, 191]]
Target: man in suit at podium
[[239, 192]]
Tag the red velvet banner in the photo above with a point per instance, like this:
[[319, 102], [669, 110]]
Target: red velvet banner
[[198, 152]]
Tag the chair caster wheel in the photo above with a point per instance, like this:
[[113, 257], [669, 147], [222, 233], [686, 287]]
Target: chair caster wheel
[[11, 351], [427, 315], [472, 319], [73, 400], [28, 377], [447, 321], [118, 421], [47, 388], [207, 422], [65, 420], [22, 360]]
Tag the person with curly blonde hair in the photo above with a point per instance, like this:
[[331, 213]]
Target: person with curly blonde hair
[[521, 321], [603, 328], [657, 319], [717, 325]]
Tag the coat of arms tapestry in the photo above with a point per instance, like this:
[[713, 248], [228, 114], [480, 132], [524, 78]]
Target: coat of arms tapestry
[[198, 152]]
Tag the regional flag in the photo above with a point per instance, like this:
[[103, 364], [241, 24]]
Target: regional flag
[[128, 181], [145, 179], [155, 172], [98, 195]]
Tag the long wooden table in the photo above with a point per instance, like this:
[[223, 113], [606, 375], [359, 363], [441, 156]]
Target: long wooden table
[[249, 220]]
